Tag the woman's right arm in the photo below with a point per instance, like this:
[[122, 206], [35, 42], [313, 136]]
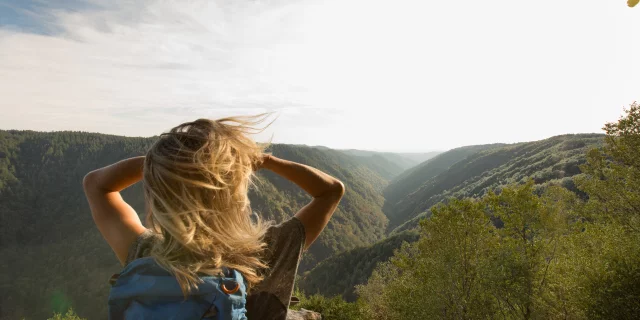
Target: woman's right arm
[[325, 190]]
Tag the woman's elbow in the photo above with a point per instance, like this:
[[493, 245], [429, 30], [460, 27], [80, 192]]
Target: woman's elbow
[[89, 181], [338, 188]]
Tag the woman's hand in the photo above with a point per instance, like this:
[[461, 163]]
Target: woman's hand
[[260, 162]]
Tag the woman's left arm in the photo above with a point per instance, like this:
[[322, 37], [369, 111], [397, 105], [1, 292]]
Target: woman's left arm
[[116, 219]]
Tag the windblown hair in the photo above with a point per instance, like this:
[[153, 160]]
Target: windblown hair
[[196, 180]]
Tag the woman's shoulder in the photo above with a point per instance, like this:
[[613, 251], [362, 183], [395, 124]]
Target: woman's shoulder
[[290, 231], [285, 243], [292, 224], [285, 234], [142, 246]]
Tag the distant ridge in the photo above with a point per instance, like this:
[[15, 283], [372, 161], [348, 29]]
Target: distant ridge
[[402, 161], [387, 164], [472, 174]]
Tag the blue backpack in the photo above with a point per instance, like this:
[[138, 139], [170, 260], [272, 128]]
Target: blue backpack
[[144, 290]]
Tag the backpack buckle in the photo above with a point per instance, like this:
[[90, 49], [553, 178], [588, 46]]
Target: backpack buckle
[[230, 291]]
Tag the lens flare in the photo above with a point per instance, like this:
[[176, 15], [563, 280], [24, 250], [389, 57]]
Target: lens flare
[[60, 302]]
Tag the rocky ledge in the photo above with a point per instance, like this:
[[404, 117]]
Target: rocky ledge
[[303, 314]]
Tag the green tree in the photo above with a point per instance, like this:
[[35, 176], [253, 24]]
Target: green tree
[[442, 275], [464, 267], [599, 274], [612, 174], [607, 254], [332, 308], [531, 239]]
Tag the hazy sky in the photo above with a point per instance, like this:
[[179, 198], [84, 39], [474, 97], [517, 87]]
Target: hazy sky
[[382, 75]]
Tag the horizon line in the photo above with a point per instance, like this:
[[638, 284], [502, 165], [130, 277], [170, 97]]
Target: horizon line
[[317, 146]]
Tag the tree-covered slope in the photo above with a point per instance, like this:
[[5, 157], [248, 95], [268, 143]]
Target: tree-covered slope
[[555, 254], [413, 178], [340, 274], [556, 158], [57, 256], [463, 172], [46, 229]]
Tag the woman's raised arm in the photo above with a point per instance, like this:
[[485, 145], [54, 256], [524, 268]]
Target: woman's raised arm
[[118, 223], [325, 190]]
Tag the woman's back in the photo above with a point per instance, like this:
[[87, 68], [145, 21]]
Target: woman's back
[[270, 298], [195, 180]]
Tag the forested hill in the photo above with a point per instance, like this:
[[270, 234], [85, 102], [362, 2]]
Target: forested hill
[[46, 229], [463, 172], [411, 179], [58, 257], [553, 159], [559, 238]]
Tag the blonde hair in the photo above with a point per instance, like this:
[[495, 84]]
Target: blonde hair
[[196, 180]]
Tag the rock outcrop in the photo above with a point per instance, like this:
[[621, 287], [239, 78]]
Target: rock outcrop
[[303, 314]]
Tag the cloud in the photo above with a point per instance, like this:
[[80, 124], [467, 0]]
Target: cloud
[[408, 74], [148, 60]]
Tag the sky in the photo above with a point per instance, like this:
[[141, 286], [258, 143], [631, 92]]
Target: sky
[[402, 75]]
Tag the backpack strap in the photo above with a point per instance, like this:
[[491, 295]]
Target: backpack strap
[[113, 279]]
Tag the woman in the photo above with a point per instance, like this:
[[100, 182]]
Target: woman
[[195, 180]]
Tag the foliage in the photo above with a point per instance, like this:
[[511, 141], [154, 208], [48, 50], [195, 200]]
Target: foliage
[[445, 281], [332, 308], [539, 230], [464, 172], [483, 168], [612, 243], [612, 177], [339, 274], [525, 253], [600, 274], [70, 315], [531, 239], [464, 267]]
